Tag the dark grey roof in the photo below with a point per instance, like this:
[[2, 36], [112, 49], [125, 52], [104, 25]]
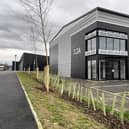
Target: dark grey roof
[[97, 8], [31, 54]]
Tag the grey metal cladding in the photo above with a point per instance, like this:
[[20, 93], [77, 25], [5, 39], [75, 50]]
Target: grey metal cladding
[[77, 22], [54, 59], [64, 44], [78, 60], [64, 54], [107, 16], [101, 14], [78, 65], [112, 18]]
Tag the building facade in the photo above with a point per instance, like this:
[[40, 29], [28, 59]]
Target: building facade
[[15, 66], [94, 46], [29, 60], [4, 67]]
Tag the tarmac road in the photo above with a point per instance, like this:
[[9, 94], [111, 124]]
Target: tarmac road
[[14, 109]]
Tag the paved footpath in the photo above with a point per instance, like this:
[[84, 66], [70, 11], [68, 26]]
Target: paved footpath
[[14, 109]]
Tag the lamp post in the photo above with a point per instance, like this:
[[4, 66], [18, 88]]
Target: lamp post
[[15, 68]]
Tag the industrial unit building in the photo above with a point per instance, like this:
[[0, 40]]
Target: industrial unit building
[[15, 65], [28, 60], [94, 46]]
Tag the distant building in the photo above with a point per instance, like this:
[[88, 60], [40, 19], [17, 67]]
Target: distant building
[[1, 67], [28, 60], [13, 65], [4, 67]]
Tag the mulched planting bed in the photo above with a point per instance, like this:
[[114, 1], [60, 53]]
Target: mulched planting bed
[[109, 120], [112, 122]]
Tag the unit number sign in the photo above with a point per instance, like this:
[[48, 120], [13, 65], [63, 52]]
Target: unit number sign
[[76, 51]]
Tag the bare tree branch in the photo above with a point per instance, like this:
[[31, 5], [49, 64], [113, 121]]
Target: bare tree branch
[[37, 11]]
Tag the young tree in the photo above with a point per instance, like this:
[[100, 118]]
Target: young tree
[[33, 38], [38, 11]]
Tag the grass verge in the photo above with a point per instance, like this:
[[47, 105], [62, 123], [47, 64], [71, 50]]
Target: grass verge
[[55, 112]]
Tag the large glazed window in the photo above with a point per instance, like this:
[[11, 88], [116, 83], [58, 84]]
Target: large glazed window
[[113, 41], [109, 44], [93, 44], [93, 69], [122, 69], [106, 42], [102, 69], [90, 39], [102, 43], [112, 44], [116, 70], [122, 45], [116, 44], [89, 69], [89, 45], [112, 69]]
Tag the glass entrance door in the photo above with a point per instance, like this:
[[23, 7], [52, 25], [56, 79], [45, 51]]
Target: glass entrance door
[[102, 70], [109, 68], [115, 70], [112, 69]]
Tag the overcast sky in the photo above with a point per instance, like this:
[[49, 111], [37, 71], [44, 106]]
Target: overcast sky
[[14, 31]]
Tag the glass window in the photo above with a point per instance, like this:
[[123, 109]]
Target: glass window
[[122, 69], [102, 43], [93, 69], [116, 70], [94, 44], [89, 69], [122, 45], [89, 45], [116, 44], [102, 69], [109, 43]]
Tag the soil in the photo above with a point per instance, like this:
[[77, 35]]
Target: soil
[[43, 89], [109, 120]]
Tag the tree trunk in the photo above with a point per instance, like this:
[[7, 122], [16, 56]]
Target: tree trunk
[[37, 73], [29, 70], [37, 68], [46, 77], [46, 72]]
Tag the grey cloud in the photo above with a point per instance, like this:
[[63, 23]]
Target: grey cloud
[[15, 29], [12, 30]]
